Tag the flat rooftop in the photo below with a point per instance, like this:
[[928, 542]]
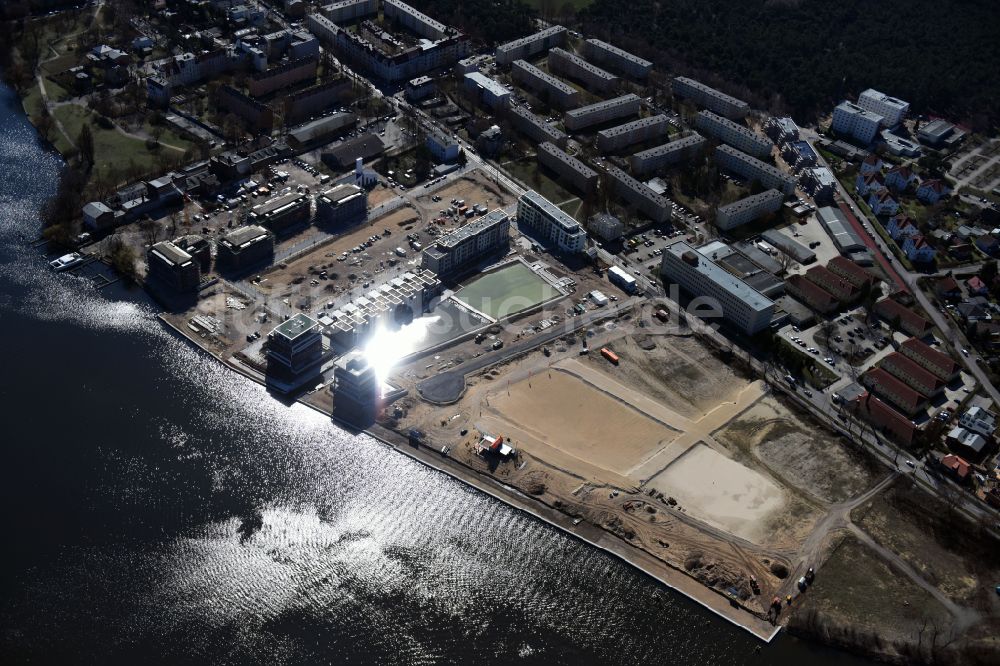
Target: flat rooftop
[[298, 325], [721, 277]]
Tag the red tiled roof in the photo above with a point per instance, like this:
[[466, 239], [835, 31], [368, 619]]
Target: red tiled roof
[[823, 276], [890, 309], [956, 464], [902, 170], [819, 298], [947, 284], [886, 386], [884, 416], [942, 362], [907, 366], [850, 271], [975, 284], [935, 184], [875, 177]]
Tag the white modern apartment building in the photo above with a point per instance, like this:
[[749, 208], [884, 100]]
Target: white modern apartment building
[[710, 98], [349, 10], [781, 130], [531, 45], [617, 59], [646, 161], [535, 127], [621, 136], [578, 174], [751, 168], [744, 307], [414, 20], [454, 253], [736, 135], [601, 112], [892, 110], [550, 222], [654, 206], [574, 67], [748, 209], [556, 91], [852, 120], [979, 420]]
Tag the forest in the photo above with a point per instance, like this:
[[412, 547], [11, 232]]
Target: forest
[[802, 56]]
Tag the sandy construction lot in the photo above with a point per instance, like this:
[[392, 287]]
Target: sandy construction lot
[[557, 412], [722, 492], [474, 188]]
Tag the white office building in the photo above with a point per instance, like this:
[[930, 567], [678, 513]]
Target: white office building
[[748, 209], [741, 305], [646, 161], [531, 45], [601, 112], [637, 131], [736, 135], [710, 98], [552, 223], [851, 120], [978, 420], [751, 168], [892, 110]]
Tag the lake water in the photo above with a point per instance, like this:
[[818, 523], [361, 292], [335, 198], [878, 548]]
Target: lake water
[[158, 508]]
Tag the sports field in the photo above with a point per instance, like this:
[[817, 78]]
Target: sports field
[[506, 291]]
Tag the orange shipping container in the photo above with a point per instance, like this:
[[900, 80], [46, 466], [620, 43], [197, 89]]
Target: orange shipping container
[[610, 355]]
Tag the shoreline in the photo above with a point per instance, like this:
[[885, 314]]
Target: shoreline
[[665, 574]]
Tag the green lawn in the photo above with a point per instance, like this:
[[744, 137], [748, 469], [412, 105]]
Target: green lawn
[[112, 150]]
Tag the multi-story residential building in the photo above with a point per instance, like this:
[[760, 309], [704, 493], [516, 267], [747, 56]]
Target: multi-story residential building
[[882, 203], [552, 223], [730, 159], [491, 92], [281, 213], [833, 284], [244, 248], [443, 146], [781, 130], [276, 78], [933, 190], [555, 91], [622, 136], [741, 305], [748, 209], [316, 99], [606, 226], [343, 205], [574, 67], [458, 252], [393, 302], [419, 88], [654, 206], [535, 127], [978, 420], [895, 392], [345, 11], [258, 117], [940, 364], [866, 183], [413, 20], [820, 183], [355, 388], [918, 250], [646, 161], [891, 110], [899, 316], [871, 164], [325, 29], [601, 112], [617, 59], [851, 120], [900, 177], [913, 374], [736, 135], [526, 47], [710, 98], [579, 175], [294, 353], [811, 294], [172, 267], [402, 65]]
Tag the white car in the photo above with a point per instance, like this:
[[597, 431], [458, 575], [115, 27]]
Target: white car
[[66, 262]]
